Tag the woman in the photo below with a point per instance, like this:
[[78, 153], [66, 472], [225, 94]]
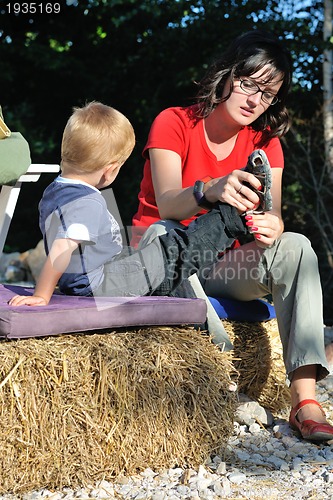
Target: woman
[[240, 108]]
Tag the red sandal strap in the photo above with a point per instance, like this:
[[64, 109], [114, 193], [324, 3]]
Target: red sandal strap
[[305, 402]]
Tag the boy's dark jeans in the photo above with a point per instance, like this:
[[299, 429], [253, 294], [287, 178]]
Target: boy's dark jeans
[[161, 267], [186, 251]]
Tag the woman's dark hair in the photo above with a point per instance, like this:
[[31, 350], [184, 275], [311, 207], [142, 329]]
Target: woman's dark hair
[[246, 55]]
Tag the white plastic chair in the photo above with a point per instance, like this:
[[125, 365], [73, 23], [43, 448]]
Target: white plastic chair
[[9, 196]]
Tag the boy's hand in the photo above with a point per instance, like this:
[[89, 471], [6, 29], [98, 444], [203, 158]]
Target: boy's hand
[[27, 300]]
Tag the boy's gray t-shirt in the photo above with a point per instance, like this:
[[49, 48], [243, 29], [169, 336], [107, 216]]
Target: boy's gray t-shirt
[[76, 210]]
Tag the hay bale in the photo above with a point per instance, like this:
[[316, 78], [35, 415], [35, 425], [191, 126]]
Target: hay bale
[[76, 409], [258, 358]]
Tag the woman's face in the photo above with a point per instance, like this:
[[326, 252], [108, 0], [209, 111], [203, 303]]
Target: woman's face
[[250, 97]]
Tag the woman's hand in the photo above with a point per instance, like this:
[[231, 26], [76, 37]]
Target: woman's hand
[[231, 189], [27, 300], [266, 227]]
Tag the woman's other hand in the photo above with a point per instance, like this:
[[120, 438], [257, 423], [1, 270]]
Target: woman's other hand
[[266, 227]]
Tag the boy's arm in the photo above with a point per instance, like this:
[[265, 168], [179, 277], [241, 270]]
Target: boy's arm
[[54, 267]]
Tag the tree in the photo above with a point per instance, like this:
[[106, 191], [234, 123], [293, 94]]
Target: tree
[[328, 85]]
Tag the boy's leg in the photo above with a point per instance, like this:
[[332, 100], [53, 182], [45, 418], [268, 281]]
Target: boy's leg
[[198, 246], [162, 265], [133, 272], [213, 323]]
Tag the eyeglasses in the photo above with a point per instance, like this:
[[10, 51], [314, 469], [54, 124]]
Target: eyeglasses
[[251, 88]]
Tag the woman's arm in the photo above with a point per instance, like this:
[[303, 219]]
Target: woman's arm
[[175, 202], [172, 200], [54, 267]]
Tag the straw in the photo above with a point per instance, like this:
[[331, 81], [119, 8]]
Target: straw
[[76, 409], [258, 358]]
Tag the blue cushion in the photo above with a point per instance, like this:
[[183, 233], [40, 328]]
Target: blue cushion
[[236, 310]]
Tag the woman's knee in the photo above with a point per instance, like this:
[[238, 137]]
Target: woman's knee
[[291, 239], [294, 248], [295, 244]]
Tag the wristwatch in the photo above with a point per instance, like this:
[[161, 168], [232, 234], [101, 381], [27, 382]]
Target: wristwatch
[[199, 195]]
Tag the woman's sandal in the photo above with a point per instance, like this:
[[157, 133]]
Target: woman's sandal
[[310, 429]]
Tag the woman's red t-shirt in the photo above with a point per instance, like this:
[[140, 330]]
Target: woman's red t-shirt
[[175, 129]]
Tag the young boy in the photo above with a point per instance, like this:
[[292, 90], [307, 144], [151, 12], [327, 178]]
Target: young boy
[[82, 239]]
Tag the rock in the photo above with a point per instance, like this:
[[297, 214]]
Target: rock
[[237, 477], [18, 267], [221, 469], [251, 412], [6, 259], [14, 268]]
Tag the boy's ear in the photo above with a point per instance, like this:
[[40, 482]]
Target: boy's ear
[[111, 169]]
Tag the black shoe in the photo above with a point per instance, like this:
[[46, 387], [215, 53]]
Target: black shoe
[[259, 166]]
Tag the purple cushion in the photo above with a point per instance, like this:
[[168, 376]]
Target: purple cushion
[[66, 314]]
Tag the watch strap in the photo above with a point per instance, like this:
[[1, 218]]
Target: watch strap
[[200, 197]]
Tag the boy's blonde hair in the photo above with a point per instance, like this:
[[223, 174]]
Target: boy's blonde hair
[[95, 136]]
